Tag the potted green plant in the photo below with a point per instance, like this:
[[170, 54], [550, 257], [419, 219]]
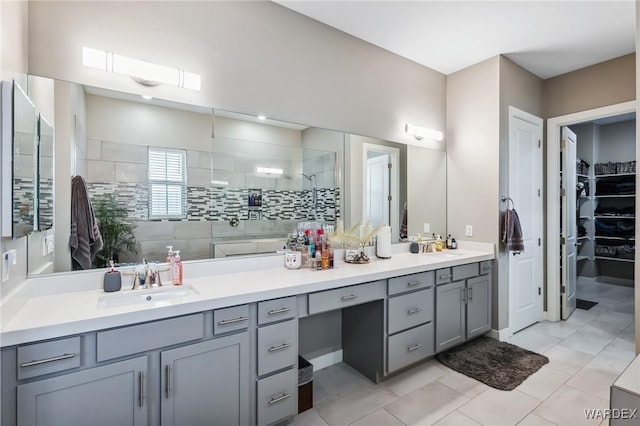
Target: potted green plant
[[117, 234]]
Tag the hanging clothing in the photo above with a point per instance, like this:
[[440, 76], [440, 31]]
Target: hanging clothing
[[85, 239], [512, 232], [403, 224]]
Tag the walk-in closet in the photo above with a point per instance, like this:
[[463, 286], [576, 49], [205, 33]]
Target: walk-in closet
[[605, 210]]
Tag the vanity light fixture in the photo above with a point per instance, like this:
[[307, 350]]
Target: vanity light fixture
[[262, 117], [269, 170], [423, 133], [143, 72]]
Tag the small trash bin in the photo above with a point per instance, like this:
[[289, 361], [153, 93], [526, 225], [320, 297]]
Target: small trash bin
[[305, 385]]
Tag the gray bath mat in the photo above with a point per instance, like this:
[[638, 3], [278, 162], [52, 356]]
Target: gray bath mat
[[500, 365]]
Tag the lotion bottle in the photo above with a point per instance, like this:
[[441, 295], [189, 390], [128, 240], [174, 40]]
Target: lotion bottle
[[177, 269]]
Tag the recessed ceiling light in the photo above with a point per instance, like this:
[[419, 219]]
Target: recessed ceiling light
[[147, 97], [262, 117], [269, 170]]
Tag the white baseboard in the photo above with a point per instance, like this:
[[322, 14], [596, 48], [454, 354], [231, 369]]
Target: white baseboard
[[500, 335], [326, 360]]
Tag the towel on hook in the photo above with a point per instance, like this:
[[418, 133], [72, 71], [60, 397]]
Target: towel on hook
[[403, 224], [85, 239], [512, 232]]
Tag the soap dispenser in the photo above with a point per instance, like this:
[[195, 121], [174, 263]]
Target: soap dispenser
[[112, 279], [177, 269]]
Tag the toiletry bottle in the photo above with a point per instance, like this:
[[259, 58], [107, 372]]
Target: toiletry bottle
[[177, 269], [170, 260], [454, 244], [449, 241], [438, 243]]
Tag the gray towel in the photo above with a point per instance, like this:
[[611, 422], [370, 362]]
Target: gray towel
[[512, 232], [85, 240]]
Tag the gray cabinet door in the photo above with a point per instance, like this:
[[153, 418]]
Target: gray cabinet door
[[478, 305], [110, 395], [206, 383], [450, 315]]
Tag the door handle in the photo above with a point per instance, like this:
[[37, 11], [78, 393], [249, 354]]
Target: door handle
[[167, 377], [140, 389]]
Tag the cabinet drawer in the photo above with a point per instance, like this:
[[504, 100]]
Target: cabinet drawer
[[443, 276], [230, 319], [48, 357], [277, 347], [144, 337], [411, 282], [465, 271], [410, 346], [345, 296], [277, 309], [486, 267], [277, 397], [409, 310]]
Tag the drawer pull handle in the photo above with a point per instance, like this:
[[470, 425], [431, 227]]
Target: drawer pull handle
[[279, 311], [279, 347], [280, 398], [140, 389], [470, 294], [413, 311], [233, 320], [413, 283], [414, 347], [44, 361], [444, 277], [167, 377], [350, 297]]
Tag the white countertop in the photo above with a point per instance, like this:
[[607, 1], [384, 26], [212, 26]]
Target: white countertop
[[44, 315]]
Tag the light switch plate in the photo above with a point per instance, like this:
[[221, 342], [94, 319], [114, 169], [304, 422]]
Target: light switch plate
[[427, 228], [468, 231]]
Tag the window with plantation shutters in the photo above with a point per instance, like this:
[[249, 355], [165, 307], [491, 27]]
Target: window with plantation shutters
[[167, 183]]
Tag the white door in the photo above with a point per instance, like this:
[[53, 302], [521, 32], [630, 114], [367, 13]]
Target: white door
[[568, 230], [525, 189], [377, 195]]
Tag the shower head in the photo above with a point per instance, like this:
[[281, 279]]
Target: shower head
[[308, 177]]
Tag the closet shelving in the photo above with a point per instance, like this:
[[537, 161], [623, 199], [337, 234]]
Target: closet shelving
[[582, 218], [615, 223]]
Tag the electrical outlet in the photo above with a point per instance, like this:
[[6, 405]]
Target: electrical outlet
[[468, 231], [427, 228]]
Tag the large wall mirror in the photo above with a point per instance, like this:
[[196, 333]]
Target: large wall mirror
[[214, 183], [20, 134]]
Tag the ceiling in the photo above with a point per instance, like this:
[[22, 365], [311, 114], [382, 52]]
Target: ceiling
[[546, 37]]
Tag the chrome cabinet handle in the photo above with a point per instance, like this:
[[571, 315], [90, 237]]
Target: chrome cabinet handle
[[350, 297], [278, 311], [463, 292], [279, 347], [443, 277], [413, 283], [167, 377], [44, 361], [280, 398], [140, 389], [233, 320], [470, 294], [413, 311], [414, 347]]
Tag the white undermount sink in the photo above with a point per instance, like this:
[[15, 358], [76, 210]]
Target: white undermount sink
[[162, 296]]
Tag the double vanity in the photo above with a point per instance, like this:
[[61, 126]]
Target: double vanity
[[224, 347]]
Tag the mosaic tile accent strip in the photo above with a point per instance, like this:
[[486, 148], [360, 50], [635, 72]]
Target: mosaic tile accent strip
[[198, 203], [24, 199], [222, 204], [45, 204]]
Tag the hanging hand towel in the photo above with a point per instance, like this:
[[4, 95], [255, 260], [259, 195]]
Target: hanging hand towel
[[85, 239], [512, 232], [403, 224]]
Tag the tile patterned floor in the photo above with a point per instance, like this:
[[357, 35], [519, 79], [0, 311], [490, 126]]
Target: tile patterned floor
[[586, 353]]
